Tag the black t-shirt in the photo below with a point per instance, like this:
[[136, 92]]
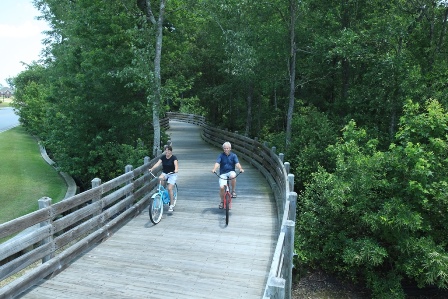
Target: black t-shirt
[[168, 164]]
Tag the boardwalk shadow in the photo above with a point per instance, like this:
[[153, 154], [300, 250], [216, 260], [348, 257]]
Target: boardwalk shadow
[[149, 224], [221, 215]]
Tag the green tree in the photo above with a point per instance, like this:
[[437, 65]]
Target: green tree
[[93, 101], [379, 216], [245, 72], [30, 99]]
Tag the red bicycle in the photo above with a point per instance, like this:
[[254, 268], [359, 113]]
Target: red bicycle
[[227, 203]]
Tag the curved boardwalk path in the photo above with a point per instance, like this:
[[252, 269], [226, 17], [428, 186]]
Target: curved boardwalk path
[[191, 253]]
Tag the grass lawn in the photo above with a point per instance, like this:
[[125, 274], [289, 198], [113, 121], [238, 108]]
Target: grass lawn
[[25, 177], [5, 102]]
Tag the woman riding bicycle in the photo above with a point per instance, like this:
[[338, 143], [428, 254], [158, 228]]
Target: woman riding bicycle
[[226, 162], [169, 172]]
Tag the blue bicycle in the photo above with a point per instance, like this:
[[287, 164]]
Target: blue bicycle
[[158, 200]]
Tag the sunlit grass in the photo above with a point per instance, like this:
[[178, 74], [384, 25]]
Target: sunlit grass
[[25, 177], [5, 102]]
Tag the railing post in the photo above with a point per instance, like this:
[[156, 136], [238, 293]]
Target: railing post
[[273, 149], [291, 182], [281, 156], [287, 166], [128, 168], [146, 160], [44, 203], [292, 206], [96, 182], [289, 253], [276, 288]]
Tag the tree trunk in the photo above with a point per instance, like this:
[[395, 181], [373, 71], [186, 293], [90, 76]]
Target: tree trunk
[[157, 96], [345, 23], [249, 108], [292, 72]]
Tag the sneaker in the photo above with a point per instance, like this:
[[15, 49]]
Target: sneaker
[[171, 208]]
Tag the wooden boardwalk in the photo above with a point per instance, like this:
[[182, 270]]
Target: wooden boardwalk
[[191, 253]]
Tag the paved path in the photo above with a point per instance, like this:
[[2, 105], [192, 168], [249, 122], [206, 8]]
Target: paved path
[[191, 253], [8, 119]]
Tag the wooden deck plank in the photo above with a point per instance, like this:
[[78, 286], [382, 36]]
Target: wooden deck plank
[[191, 253]]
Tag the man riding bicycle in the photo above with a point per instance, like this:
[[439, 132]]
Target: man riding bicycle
[[227, 161]]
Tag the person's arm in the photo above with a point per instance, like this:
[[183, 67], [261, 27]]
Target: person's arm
[[176, 166], [215, 167], [155, 165], [238, 165]]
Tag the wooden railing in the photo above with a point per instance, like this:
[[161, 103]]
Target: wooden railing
[[282, 183], [48, 239]]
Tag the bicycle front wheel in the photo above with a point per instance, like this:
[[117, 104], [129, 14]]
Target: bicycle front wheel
[[227, 204], [156, 209]]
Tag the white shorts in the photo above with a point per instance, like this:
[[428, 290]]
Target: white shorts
[[223, 178], [170, 178]]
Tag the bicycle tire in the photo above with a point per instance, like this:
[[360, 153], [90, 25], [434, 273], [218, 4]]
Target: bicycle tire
[[227, 200], [156, 209]]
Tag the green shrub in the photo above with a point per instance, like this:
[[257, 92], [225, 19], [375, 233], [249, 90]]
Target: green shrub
[[313, 132], [381, 217]]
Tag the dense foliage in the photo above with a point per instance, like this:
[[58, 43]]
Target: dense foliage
[[369, 161], [380, 215]]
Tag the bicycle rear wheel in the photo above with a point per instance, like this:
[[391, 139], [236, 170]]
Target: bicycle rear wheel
[[156, 209], [227, 199]]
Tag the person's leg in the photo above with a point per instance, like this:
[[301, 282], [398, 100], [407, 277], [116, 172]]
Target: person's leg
[[221, 193], [233, 182], [162, 179], [222, 184], [171, 180], [170, 192]]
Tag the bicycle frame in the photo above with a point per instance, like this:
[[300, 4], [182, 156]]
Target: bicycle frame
[[227, 201], [163, 192], [159, 199]]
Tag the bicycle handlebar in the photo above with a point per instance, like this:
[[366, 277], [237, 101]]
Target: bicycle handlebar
[[155, 176], [228, 178]]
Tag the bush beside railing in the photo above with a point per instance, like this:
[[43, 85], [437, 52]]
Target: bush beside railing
[[62, 231], [282, 184]]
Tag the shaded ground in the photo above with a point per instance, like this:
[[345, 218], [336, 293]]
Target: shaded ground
[[318, 285]]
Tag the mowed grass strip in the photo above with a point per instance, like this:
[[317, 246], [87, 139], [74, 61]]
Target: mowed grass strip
[[5, 102], [25, 177]]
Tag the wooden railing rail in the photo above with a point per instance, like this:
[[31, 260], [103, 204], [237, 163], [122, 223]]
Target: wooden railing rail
[[282, 184], [62, 231]]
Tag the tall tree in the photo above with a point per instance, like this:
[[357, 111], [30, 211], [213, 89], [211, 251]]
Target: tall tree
[[292, 69], [157, 95], [96, 115]]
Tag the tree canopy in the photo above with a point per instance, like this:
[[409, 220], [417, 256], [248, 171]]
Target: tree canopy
[[353, 92]]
